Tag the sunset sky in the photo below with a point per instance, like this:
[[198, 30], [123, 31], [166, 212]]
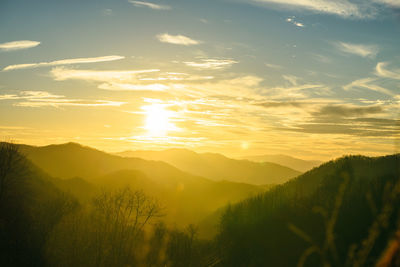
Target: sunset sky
[[314, 79]]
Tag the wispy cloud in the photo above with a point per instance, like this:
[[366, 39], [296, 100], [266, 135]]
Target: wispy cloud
[[133, 87], [61, 74], [108, 12], [392, 3], [293, 21], [43, 99], [321, 58], [118, 80], [349, 110], [71, 103], [18, 45], [177, 39], [127, 80], [149, 5], [63, 62], [347, 9], [214, 64], [273, 66], [341, 8], [358, 49], [368, 83], [382, 71]]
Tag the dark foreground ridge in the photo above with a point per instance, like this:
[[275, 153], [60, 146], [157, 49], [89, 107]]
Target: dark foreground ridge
[[343, 213]]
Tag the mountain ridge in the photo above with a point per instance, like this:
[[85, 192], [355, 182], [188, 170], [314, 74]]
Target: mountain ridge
[[286, 160], [338, 194], [219, 167], [183, 192]]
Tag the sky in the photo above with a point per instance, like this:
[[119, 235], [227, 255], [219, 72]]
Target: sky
[[315, 79]]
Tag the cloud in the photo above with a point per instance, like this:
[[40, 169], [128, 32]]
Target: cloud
[[18, 45], [347, 9], [321, 58], [296, 88], [149, 5], [71, 103], [43, 99], [348, 110], [381, 71], [293, 80], [30, 95], [108, 12], [214, 64], [279, 104], [294, 22], [64, 62], [358, 49], [367, 83], [349, 128], [118, 80], [128, 80], [177, 39], [273, 66], [176, 76], [61, 74], [391, 3], [133, 87], [341, 8]]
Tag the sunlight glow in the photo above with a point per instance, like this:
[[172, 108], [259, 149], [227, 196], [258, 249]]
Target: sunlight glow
[[158, 120]]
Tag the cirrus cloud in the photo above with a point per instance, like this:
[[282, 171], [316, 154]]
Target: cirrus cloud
[[177, 39], [382, 71], [341, 8], [18, 45], [37, 99], [214, 64], [357, 49], [149, 5], [63, 62]]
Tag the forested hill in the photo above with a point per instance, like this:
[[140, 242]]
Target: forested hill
[[342, 212], [188, 198], [30, 207]]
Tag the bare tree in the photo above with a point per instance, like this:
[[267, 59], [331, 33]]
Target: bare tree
[[122, 216], [110, 232], [13, 168]]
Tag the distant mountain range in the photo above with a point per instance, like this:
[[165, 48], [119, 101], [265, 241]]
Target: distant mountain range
[[84, 171], [218, 167], [285, 160]]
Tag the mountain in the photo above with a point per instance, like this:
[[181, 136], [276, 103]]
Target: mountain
[[284, 160], [218, 167], [30, 206], [342, 213], [187, 198]]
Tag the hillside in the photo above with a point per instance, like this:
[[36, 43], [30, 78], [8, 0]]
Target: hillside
[[30, 206], [218, 167], [318, 218], [285, 160], [186, 197]]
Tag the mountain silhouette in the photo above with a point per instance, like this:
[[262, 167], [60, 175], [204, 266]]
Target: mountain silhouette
[[188, 198], [289, 161], [218, 167], [343, 211]]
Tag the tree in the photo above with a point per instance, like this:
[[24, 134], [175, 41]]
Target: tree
[[108, 233], [13, 169]]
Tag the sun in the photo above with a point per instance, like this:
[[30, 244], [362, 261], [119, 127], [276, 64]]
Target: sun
[[157, 120]]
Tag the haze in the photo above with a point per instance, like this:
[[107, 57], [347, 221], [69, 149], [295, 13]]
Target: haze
[[312, 79]]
